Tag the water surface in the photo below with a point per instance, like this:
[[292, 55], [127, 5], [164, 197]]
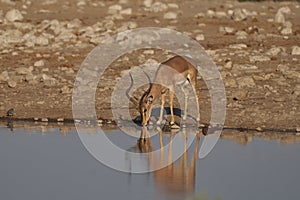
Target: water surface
[[49, 165]]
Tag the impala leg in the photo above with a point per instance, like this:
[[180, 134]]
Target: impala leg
[[186, 96], [161, 108], [196, 92], [171, 94]]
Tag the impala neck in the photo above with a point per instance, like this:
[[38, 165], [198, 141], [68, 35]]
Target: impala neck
[[155, 90]]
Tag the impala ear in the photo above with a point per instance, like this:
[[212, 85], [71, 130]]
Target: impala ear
[[150, 100]]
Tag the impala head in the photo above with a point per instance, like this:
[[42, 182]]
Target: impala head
[[145, 107], [145, 103]]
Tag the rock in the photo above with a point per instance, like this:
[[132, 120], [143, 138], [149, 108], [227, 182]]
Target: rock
[[23, 70], [287, 24], [158, 7], [12, 84], [259, 129], [238, 46], [4, 76], [295, 50], [173, 5], [30, 78], [287, 30], [283, 68], [279, 18], [244, 67], [241, 35], [220, 14], [246, 82], [210, 13], [199, 15], [65, 35], [65, 90], [14, 15], [127, 11], [41, 41], [239, 14], [75, 23], [149, 51], [48, 81], [228, 65], [44, 120], [230, 83], [147, 3], [287, 72], [285, 10], [200, 37], [60, 119], [39, 63], [9, 2], [274, 51], [292, 75], [170, 15], [81, 3], [227, 30], [259, 58], [279, 99]]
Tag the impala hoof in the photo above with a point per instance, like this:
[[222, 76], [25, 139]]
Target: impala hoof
[[158, 123], [174, 126]]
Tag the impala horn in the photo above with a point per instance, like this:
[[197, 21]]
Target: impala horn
[[134, 100]]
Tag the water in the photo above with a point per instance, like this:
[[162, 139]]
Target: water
[[50, 165]]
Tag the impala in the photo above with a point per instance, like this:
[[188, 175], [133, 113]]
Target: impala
[[175, 71]]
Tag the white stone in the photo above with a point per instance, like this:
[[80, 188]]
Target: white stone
[[210, 13], [285, 10], [228, 65], [239, 14], [244, 67], [12, 84], [279, 17], [200, 37], [295, 50], [81, 3], [246, 82], [127, 11], [240, 94], [23, 71], [220, 14], [241, 35], [170, 15], [114, 9], [173, 5], [41, 40], [4, 76], [14, 15], [148, 3], [227, 30], [199, 15], [158, 7], [259, 58], [286, 31], [274, 51], [39, 63], [238, 46]]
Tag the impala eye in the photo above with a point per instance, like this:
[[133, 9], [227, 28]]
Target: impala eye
[[145, 110]]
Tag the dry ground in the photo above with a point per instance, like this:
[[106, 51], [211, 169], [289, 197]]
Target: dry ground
[[41, 54]]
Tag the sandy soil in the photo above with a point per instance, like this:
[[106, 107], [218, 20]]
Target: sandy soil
[[261, 76]]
